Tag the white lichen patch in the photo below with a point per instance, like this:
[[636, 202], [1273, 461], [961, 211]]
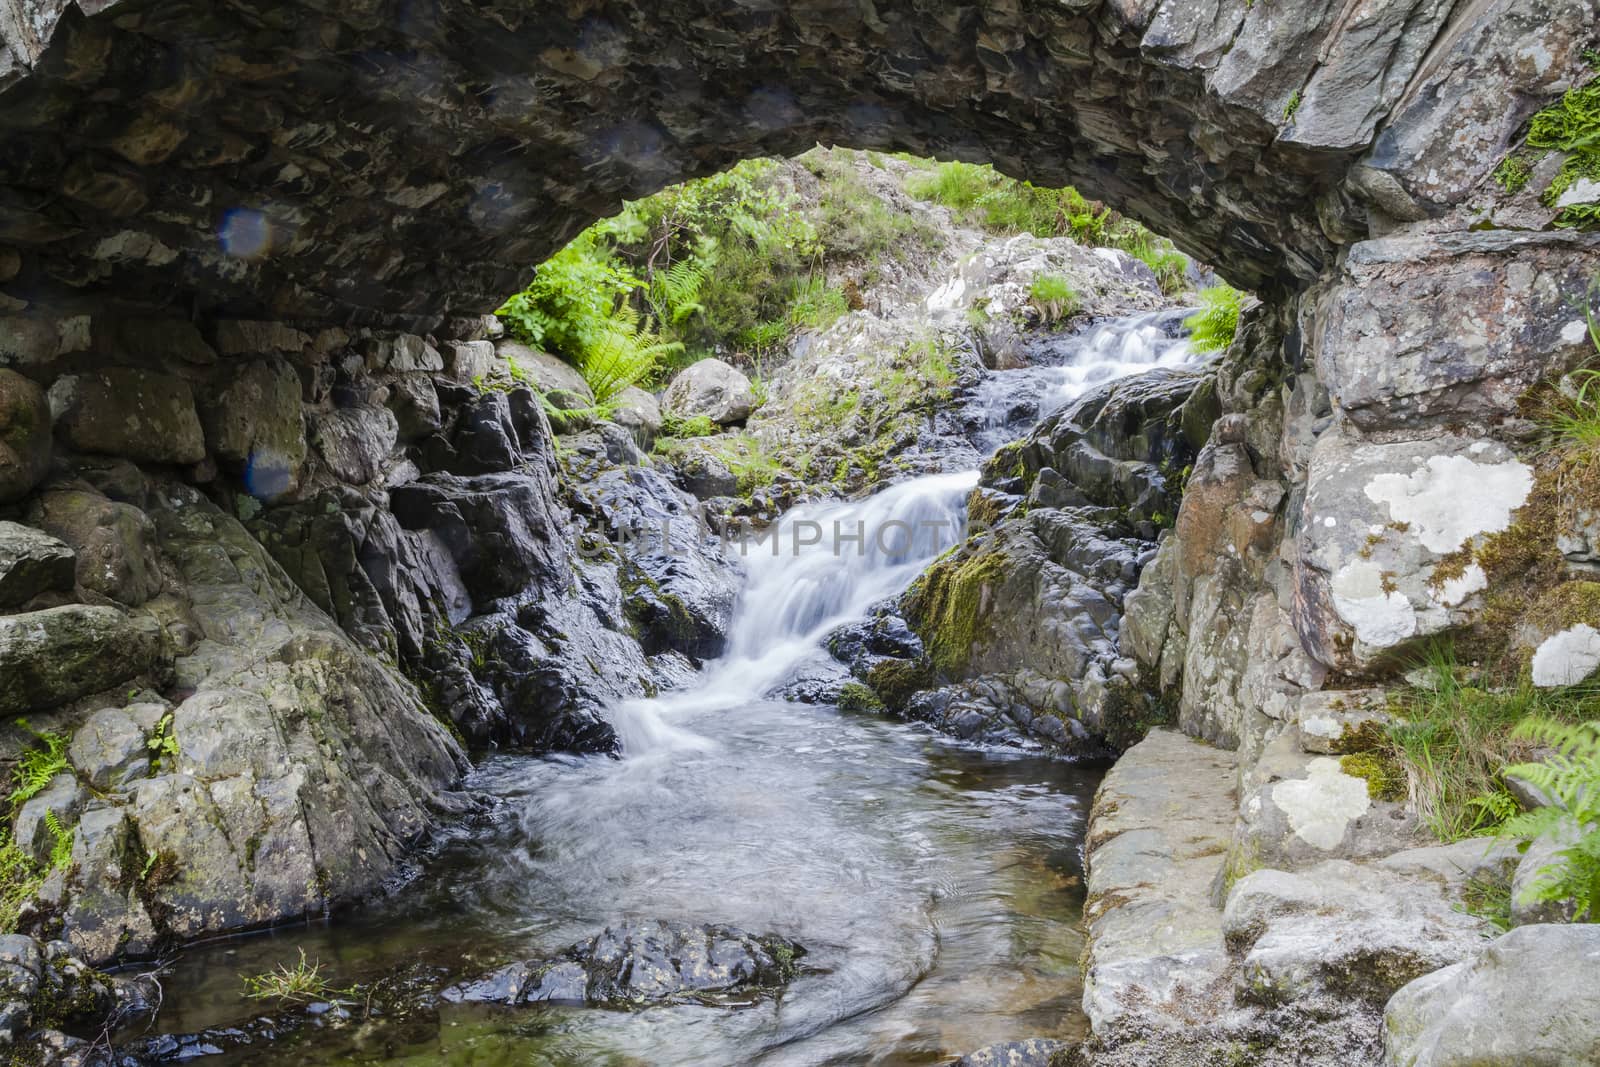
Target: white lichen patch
[[1567, 658], [1452, 499], [1379, 616], [1575, 332], [1322, 805], [1454, 591]]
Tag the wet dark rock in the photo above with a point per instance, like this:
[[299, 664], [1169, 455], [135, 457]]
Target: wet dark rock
[[644, 963], [122, 411], [500, 529], [32, 563]]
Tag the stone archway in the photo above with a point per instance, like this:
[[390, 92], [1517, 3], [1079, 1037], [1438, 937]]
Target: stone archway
[[403, 163], [244, 204]]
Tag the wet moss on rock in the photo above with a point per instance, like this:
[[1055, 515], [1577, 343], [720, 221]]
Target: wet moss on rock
[[947, 603], [859, 698]]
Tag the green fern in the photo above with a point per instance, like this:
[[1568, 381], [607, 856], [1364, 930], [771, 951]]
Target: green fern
[[38, 765], [61, 837], [1212, 328], [1570, 777], [675, 292]]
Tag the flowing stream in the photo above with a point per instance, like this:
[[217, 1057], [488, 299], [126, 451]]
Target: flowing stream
[[937, 888]]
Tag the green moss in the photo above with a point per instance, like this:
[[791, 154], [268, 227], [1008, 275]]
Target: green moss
[[946, 604], [1570, 126], [1386, 779], [1292, 107], [896, 681], [856, 697]]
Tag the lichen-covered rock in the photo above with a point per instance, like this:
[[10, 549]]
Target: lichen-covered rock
[[31, 563], [1529, 998], [1342, 931], [1299, 809], [113, 543], [1034, 1052], [304, 769], [1160, 824], [24, 435], [139, 415], [1380, 520], [255, 429], [1453, 329], [59, 654], [43, 986], [712, 389]]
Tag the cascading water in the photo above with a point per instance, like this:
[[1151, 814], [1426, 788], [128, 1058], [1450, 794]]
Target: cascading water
[[936, 888]]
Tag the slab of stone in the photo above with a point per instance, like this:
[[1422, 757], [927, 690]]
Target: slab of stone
[[1158, 833], [32, 562], [139, 415], [1530, 998], [1329, 715], [60, 654]]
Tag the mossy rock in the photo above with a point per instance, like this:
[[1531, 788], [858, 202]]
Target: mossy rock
[[896, 681], [1386, 779], [859, 698], [947, 603]]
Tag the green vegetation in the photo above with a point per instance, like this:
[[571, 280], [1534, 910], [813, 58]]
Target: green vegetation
[[1570, 126], [1571, 777], [163, 743], [681, 426], [1488, 896], [299, 984], [20, 875], [1054, 297], [947, 602], [981, 196], [1454, 733], [1292, 108], [37, 766], [859, 698], [1212, 328], [733, 265]]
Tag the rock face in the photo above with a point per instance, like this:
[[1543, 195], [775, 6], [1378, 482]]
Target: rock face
[[1459, 1015], [644, 963], [32, 562], [711, 389], [1021, 624]]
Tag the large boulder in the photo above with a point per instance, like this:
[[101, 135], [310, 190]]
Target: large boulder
[[639, 413], [137, 414], [114, 543], [555, 378], [31, 562], [24, 435], [713, 389], [1530, 998], [255, 429], [299, 771], [60, 654]]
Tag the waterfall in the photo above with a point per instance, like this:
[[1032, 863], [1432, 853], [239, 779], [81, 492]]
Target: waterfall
[[825, 564]]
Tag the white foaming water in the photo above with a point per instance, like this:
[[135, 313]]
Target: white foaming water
[[1068, 366], [823, 565], [826, 564]]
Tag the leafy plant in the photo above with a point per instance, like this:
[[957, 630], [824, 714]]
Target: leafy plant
[[300, 983], [61, 841], [162, 743], [674, 425], [1212, 328], [37, 766], [1571, 777]]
